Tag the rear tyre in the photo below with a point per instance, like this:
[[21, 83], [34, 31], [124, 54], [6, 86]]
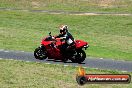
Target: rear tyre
[[65, 60], [79, 57], [40, 53]]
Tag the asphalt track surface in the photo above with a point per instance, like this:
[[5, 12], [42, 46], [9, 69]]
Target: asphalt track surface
[[101, 63], [67, 12]]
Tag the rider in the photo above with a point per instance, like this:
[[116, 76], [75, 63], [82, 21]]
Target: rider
[[66, 36]]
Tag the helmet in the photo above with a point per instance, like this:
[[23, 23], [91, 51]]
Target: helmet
[[63, 29]]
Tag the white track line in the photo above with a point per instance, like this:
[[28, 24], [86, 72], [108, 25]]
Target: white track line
[[66, 65], [47, 63], [1, 49], [84, 67], [6, 51], [56, 64], [124, 71], [28, 61], [11, 59]]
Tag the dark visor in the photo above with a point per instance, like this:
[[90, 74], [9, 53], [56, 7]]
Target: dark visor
[[61, 31]]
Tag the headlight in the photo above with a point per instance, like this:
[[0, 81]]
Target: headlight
[[86, 46]]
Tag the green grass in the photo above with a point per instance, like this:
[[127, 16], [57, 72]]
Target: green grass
[[108, 36], [71, 5], [19, 74]]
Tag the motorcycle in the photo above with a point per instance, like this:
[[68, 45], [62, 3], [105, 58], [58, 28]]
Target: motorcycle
[[51, 48]]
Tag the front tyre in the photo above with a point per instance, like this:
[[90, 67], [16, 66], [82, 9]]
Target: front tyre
[[40, 53]]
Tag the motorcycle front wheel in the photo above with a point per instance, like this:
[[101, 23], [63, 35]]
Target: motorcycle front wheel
[[40, 53]]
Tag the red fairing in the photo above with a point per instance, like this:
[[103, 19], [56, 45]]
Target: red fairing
[[43, 42], [80, 43], [53, 52]]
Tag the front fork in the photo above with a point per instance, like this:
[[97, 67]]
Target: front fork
[[42, 47]]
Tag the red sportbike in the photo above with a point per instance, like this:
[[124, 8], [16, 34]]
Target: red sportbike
[[51, 48]]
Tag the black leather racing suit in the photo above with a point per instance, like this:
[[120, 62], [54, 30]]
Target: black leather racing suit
[[69, 41]]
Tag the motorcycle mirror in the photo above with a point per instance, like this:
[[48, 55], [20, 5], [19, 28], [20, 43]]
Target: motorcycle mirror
[[50, 33]]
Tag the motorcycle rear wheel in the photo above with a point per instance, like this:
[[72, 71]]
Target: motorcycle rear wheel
[[40, 54], [64, 60], [80, 57]]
